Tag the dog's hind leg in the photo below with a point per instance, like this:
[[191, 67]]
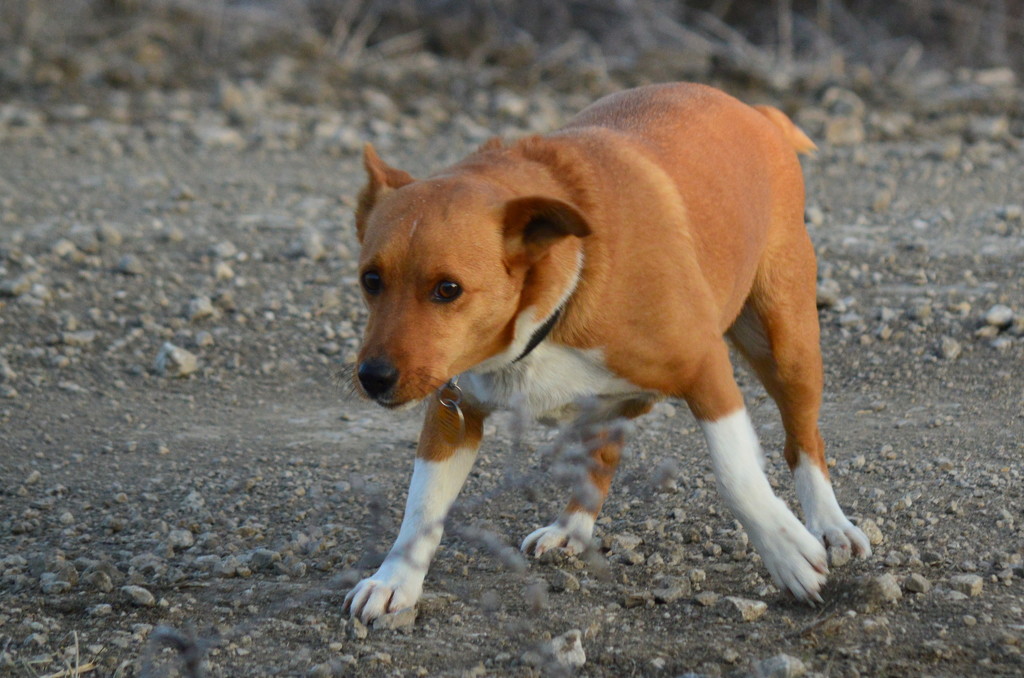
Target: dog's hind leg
[[778, 333], [440, 470], [794, 558]]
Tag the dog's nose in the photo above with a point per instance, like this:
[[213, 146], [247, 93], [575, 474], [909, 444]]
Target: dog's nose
[[378, 376]]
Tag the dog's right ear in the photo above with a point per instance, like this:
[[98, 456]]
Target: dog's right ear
[[380, 178]]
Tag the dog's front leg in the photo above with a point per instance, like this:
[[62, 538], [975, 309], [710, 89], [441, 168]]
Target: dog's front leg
[[440, 470], [572, 531]]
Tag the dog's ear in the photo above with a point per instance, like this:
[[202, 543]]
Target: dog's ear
[[380, 178], [535, 223]]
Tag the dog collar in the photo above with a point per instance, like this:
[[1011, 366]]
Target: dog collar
[[540, 335]]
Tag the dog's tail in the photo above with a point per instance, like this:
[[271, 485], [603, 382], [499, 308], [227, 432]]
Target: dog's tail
[[800, 142]]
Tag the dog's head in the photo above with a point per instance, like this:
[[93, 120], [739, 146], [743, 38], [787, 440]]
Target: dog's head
[[456, 270]]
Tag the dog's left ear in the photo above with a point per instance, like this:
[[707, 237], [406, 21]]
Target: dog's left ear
[[380, 178], [535, 223]]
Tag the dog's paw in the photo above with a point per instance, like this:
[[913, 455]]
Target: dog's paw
[[825, 519], [389, 589], [796, 560], [842, 535], [571, 534]]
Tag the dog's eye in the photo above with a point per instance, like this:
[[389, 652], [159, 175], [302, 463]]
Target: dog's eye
[[446, 291], [371, 282]]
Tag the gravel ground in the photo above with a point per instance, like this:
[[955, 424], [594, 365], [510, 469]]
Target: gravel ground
[[185, 480]]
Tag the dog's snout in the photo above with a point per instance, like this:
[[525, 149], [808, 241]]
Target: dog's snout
[[378, 376]]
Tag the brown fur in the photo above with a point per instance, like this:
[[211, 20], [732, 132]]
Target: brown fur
[[688, 208]]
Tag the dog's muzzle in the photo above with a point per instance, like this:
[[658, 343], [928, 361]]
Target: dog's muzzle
[[377, 377]]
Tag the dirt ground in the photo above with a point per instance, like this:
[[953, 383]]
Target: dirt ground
[[148, 520]]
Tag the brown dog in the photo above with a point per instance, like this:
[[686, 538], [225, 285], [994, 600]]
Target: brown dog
[[607, 260]]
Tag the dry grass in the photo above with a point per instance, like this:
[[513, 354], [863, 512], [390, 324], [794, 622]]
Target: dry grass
[[169, 43]]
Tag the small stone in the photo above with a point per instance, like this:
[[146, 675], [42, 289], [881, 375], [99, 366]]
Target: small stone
[[968, 584], [871, 531], [6, 373], [837, 556], [99, 580], [814, 215], [63, 248], [130, 264], [917, 583], [567, 649], [194, 501], [402, 620], [174, 361], [987, 332], [950, 348], [780, 666], [742, 609], [223, 271], [79, 338], [564, 581], [636, 598], [1001, 343], [828, 293], [882, 200], [882, 589], [629, 557], [102, 576], [330, 348], [180, 539], [844, 130], [310, 245], [1000, 316], [999, 76], [263, 559], [990, 128], [706, 598], [101, 610], [218, 136], [225, 249], [139, 596], [15, 287], [199, 307], [671, 589], [227, 567], [52, 583], [621, 543], [33, 477], [357, 630], [108, 234], [1011, 212]]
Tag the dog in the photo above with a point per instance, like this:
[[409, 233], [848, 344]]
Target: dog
[[608, 260]]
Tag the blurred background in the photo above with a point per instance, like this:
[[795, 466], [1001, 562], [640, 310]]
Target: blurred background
[[315, 51]]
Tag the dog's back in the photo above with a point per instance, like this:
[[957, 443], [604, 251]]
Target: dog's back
[[700, 144]]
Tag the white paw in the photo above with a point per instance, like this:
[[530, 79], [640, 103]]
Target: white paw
[[796, 560], [570, 534], [389, 589], [841, 534], [825, 519]]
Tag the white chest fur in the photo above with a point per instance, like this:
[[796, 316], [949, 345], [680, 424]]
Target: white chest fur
[[549, 383]]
